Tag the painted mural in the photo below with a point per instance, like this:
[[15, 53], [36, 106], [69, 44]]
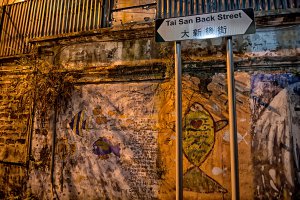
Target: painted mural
[[205, 137], [117, 141], [198, 141], [275, 109], [111, 143]]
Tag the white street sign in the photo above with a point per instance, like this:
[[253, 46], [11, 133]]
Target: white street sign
[[205, 26]]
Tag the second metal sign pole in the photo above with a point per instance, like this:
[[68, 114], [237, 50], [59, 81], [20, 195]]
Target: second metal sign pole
[[232, 122], [234, 162], [178, 105]]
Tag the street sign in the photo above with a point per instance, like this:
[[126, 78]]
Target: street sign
[[213, 25], [206, 26]]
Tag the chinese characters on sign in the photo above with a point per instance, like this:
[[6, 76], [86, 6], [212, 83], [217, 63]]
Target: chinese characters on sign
[[185, 34], [219, 31], [236, 22]]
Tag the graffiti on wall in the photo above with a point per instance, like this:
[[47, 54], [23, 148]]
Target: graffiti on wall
[[103, 147], [78, 123], [198, 141], [276, 135], [117, 141], [205, 137], [109, 145]]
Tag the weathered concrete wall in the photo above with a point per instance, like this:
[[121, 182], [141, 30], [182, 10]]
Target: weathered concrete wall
[[14, 118], [14, 130], [133, 15], [116, 137]]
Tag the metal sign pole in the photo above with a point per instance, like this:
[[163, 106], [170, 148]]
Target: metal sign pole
[[235, 193], [178, 105]]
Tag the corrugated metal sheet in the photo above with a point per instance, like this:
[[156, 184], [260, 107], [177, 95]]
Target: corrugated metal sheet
[[39, 18], [23, 21], [174, 8]]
